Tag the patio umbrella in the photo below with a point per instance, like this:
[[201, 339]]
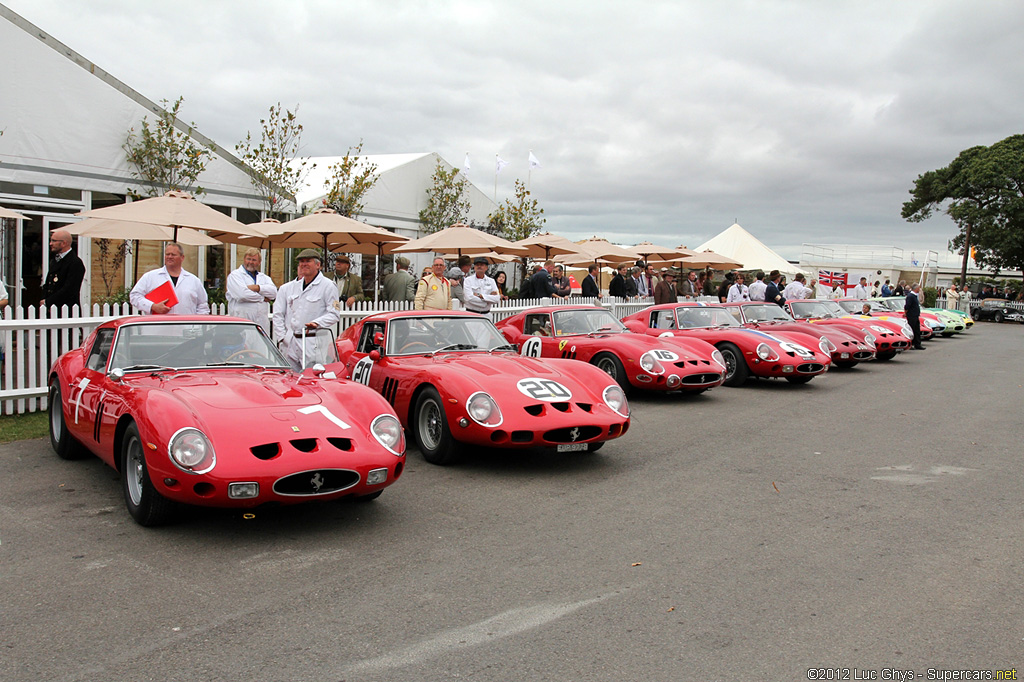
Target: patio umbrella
[[375, 243], [545, 245], [13, 215], [324, 227], [102, 228], [652, 253], [492, 257], [174, 210], [710, 259], [460, 239], [596, 250]]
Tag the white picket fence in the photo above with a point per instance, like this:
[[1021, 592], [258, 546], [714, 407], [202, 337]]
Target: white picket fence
[[32, 338]]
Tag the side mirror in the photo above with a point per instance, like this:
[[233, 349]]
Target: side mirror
[[318, 369], [374, 354], [116, 374], [378, 339]]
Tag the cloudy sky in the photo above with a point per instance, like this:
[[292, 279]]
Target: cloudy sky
[[806, 121]]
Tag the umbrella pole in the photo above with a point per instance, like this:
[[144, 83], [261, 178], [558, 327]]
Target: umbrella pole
[[376, 272]]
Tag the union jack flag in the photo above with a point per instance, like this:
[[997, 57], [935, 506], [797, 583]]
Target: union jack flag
[[832, 277]]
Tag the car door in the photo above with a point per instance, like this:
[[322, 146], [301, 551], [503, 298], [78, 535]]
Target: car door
[[88, 390], [360, 366], [538, 341]]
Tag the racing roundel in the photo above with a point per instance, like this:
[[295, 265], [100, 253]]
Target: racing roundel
[[662, 355], [361, 371], [531, 347], [543, 389]]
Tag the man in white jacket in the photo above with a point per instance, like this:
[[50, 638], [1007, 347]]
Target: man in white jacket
[[249, 291], [188, 289], [307, 302]]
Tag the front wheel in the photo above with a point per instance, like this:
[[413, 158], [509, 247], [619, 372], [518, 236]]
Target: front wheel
[[432, 432], [736, 370], [799, 380], [886, 356], [845, 364], [998, 317], [612, 366], [145, 504], [62, 442], [369, 498]]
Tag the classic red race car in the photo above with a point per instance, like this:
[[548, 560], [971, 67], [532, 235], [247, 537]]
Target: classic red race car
[[930, 322], [848, 345], [795, 357], [206, 411], [592, 334], [889, 336], [455, 382]]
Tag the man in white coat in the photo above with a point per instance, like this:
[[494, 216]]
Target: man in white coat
[[249, 291], [188, 289], [307, 302]]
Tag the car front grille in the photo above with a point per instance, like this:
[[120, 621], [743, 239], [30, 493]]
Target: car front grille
[[572, 435], [810, 368], [700, 379], [316, 482]]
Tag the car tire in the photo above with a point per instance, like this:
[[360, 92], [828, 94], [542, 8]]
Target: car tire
[[998, 317], [145, 504], [431, 428], [62, 442], [799, 380], [846, 364], [612, 366], [736, 372], [594, 447], [885, 356]]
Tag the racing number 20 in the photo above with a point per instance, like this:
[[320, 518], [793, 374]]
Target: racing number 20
[[545, 389]]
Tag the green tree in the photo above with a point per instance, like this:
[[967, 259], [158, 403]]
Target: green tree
[[349, 182], [276, 170], [447, 200], [982, 191], [164, 155], [518, 219]]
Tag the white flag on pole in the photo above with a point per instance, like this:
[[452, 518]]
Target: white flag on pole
[[466, 165], [534, 163], [499, 163]]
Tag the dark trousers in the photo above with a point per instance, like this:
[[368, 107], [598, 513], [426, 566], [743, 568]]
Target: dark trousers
[[915, 325]]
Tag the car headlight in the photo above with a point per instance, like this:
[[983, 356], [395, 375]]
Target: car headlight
[[765, 352], [615, 398], [650, 364], [717, 356], [191, 451], [483, 410], [388, 432], [870, 339], [826, 346]]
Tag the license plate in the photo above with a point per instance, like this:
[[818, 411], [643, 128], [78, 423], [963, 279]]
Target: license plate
[[573, 447]]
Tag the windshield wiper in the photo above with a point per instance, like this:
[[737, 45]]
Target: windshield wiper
[[455, 346], [161, 368], [504, 346], [234, 363], [600, 330]]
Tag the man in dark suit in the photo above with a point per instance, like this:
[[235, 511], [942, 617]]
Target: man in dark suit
[[912, 308], [617, 287], [589, 284], [541, 282], [63, 284], [771, 292]]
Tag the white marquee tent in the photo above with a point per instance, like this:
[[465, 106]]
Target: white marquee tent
[[740, 245]]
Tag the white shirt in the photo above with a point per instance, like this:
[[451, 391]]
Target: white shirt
[[738, 292], [486, 287], [248, 304], [837, 293], [756, 290], [295, 307], [191, 294], [862, 292], [795, 291]]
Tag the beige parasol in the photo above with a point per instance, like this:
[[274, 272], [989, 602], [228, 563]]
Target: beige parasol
[[13, 215], [174, 210], [102, 228], [461, 239], [596, 250], [710, 259], [545, 245], [653, 253]]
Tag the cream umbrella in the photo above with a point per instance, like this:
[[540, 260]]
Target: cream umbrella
[[545, 245], [460, 239], [492, 257], [13, 215], [376, 244], [174, 210], [101, 228], [596, 250], [710, 259], [653, 253]]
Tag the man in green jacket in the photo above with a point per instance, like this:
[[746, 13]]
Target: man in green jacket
[[400, 285], [350, 285]]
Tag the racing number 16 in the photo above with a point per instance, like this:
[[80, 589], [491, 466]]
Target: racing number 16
[[544, 389]]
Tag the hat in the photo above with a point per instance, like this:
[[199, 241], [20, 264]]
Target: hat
[[480, 260], [455, 273], [309, 253], [402, 261], [342, 258], [666, 271]]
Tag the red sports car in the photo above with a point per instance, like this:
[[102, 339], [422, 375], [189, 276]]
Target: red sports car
[[889, 337], [205, 411], [592, 334], [848, 345], [795, 357], [455, 381], [930, 322]]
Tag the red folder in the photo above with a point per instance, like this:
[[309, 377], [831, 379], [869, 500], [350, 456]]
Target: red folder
[[164, 294]]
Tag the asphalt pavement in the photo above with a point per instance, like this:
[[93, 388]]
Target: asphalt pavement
[[867, 523]]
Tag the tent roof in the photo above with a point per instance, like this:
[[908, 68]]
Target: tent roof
[[737, 243]]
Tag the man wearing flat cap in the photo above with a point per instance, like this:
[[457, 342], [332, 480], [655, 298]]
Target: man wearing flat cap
[[665, 289], [350, 285], [307, 302], [400, 285], [481, 291]]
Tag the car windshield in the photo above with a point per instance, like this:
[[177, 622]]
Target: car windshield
[[188, 345], [586, 321], [894, 304], [692, 317], [428, 334], [768, 312], [816, 309], [856, 307]]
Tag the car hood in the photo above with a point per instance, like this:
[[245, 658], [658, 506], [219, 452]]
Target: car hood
[[242, 390]]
